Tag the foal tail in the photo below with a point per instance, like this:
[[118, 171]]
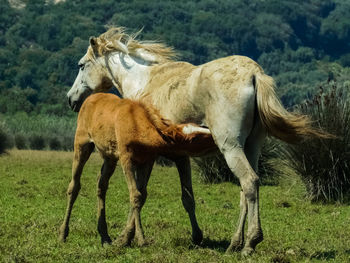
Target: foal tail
[[286, 126], [170, 132], [188, 134]]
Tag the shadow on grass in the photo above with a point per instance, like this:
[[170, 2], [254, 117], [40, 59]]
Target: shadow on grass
[[324, 255], [219, 245]]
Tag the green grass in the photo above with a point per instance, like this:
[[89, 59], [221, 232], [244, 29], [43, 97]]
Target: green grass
[[32, 206]]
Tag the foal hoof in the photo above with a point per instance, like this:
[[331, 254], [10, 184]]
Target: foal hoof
[[106, 241], [197, 237]]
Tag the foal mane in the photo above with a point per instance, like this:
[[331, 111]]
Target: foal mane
[[115, 39]]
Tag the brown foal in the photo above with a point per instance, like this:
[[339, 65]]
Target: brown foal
[[135, 134]]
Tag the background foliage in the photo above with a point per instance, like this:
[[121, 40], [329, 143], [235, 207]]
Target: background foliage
[[41, 41], [302, 44]]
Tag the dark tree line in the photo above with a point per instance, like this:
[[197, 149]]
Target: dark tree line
[[42, 41]]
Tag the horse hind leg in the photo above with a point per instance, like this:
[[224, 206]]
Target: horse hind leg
[[231, 122], [252, 151], [249, 181], [237, 240], [102, 187], [81, 155]]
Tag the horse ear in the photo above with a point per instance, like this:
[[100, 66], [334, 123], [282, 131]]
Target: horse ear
[[94, 44], [93, 41]]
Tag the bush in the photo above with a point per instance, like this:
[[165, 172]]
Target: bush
[[323, 164], [36, 142], [54, 144], [269, 162], [20, 142], [162, 161], [68, 143], [5, 139], [214, 169]]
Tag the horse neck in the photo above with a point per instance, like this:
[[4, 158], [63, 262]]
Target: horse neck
[[131, 73]]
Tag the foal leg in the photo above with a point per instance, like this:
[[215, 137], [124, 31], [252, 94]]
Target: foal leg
[[184, 168], [143, 173], [137, 178], [81, 155], [102, 186]]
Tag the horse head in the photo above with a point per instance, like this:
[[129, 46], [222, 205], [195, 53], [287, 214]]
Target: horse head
[[116, 58], [93, 76]]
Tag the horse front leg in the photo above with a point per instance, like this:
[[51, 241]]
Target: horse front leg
[[184, 168], [102, 187], [81, 155]]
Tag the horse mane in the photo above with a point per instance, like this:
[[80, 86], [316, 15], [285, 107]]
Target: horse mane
[[169, 131], [115, 39]]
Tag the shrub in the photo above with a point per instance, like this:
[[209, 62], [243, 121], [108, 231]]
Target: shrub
[[5, 139], [323, 164], [68, 143], [36, 142], [162, 161], [214, 169], [54, 144], [269, 162], [20, 142]]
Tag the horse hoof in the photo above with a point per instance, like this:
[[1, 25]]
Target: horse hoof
[[122, 241], [247, 251], [62, 238], [141, 243], [63, 233], [235, 247]]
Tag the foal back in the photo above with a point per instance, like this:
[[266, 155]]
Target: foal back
[[122, 127], [115, 125]]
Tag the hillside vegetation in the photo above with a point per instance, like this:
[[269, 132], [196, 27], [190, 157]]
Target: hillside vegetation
[[303, 44], [41, 41]]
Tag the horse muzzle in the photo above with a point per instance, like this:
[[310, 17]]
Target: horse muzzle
[[75, 103]]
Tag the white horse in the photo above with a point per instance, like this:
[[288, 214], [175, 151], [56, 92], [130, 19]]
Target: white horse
[[232, 96]]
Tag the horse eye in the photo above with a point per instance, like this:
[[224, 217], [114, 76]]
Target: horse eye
[[81, 66]]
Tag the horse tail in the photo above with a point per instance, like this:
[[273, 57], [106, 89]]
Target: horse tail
[[286, 126]]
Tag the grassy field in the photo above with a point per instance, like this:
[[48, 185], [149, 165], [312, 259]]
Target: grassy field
[[32, 205]]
